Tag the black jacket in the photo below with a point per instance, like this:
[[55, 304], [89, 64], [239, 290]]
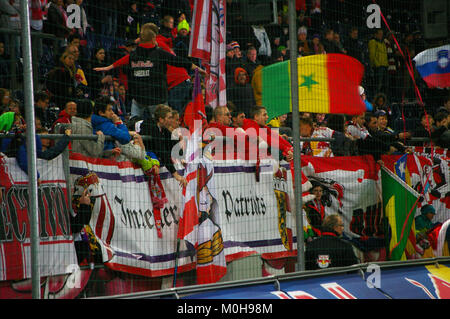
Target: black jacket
[[161, 143], [147, 82], [329, 251]]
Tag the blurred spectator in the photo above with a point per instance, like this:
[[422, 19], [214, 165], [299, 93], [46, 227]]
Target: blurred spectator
[[343, 144], [81, 83], [7, 11], [161, 142], [10, 19], [174, 121], [56, 22], [181, 42], [377, 143], [362, 93], [175, 8], [329, 42], [441, 135], [394, 62], [382, 122], [251, 62], [100, 83], [237, 117], [233, 61], [151, 12], [424, 220], [83, 30], [133, 22], [380, 103], [256, 124], [241, 92], [61, 81], [329, 250], [10, 122], [81, 125], [167, 30], [5, 72], [5, 98], [41, 110], [105, 120], [356, 127], [379, 61], [354, 46], [46, 142], [337, 40], [47, 154], [65, 116], [315, 210], [317, 45], [304, 48], [425, 129]]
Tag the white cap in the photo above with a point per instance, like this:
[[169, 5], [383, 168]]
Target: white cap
[[361, 90]]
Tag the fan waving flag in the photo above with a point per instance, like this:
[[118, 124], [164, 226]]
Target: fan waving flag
[[434, 67], [328, 83], [199, 223]]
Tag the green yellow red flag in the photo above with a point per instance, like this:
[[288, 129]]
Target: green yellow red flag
[[327, 83]]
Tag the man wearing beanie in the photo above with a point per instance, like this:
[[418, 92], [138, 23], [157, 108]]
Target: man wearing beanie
[[424, 220], [181, 42]]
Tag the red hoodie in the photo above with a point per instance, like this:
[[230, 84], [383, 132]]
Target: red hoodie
[[283, 145]]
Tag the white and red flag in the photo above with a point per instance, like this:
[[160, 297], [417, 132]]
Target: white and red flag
[[199, 223], [208, 43]]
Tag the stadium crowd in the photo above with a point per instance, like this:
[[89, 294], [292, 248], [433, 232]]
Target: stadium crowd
[[94, 78]]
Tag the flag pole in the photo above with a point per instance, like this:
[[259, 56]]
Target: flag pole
[[31, 151], [176, 264], [296, 136]]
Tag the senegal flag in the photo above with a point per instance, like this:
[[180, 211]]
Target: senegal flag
[[327, 83], [399, 203]]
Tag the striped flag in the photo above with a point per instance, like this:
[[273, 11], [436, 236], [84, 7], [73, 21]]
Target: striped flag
[[208, 43], [433, 66], [328, 83], [199, 223]]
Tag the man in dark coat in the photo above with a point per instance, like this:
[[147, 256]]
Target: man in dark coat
[[329, 250], [241, 92]]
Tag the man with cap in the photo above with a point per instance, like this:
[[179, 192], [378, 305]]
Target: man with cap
[[424, 220], [233, 60]]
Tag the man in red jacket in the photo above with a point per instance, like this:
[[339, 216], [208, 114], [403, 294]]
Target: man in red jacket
[[219, 126], [65, 116], [256, 128]]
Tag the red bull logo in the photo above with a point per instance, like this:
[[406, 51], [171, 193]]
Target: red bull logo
[[323, 261]]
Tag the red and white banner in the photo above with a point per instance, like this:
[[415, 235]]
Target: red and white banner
[[56, 250], [253, 217], [208, 43]]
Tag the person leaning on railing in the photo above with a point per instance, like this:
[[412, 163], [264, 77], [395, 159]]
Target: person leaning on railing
[[81, 125]]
